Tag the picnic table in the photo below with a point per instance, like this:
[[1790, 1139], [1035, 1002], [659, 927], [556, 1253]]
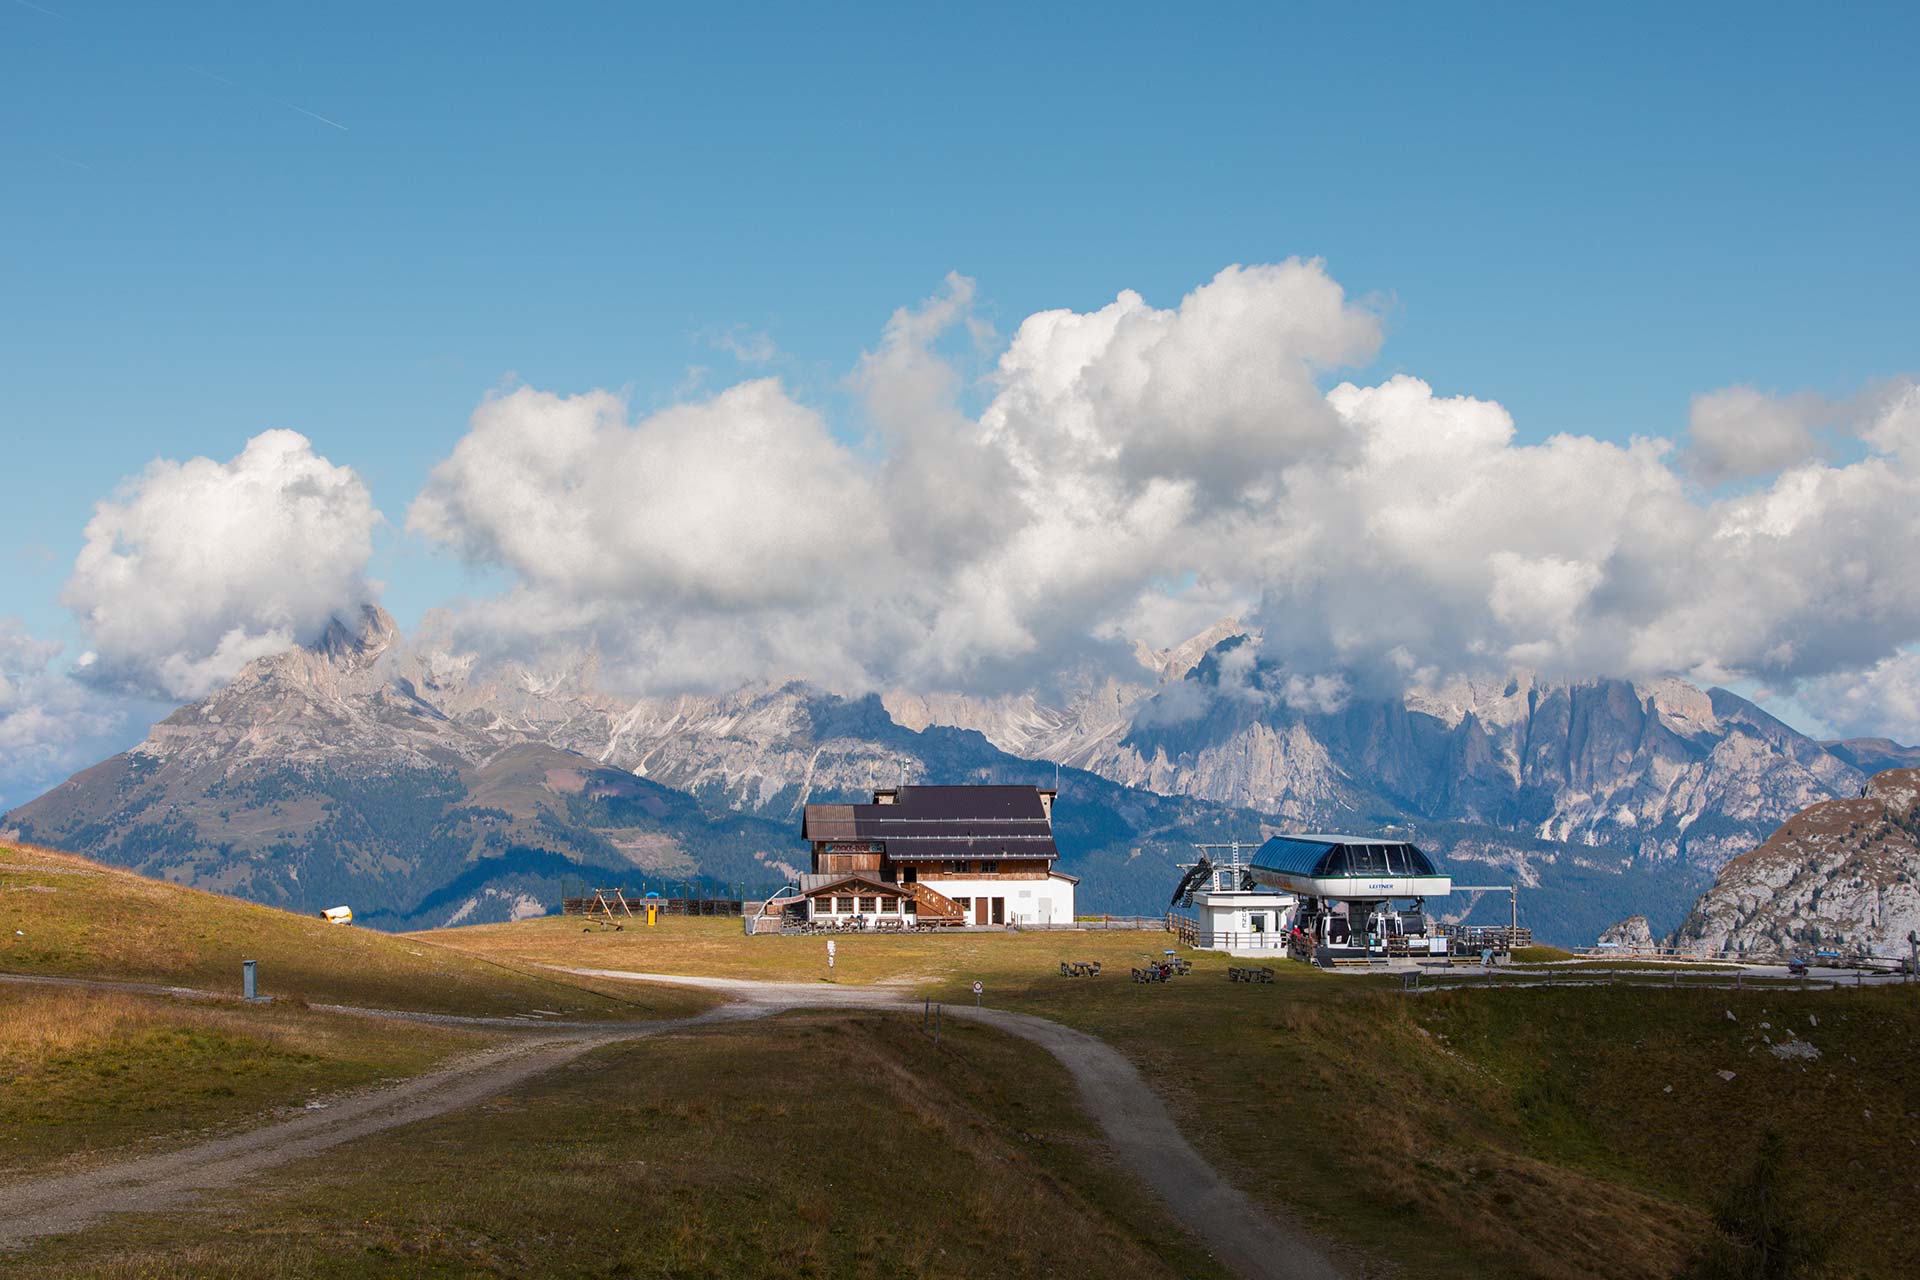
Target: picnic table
[[1163, 970], [1079, 968]]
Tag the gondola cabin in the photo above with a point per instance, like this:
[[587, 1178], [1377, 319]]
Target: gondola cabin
[[1348, 888]]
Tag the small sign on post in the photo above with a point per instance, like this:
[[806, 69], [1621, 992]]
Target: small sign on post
[[977, 989], [829, 955]]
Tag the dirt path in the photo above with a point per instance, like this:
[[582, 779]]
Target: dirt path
[[1244, 1236], [48, 1206]]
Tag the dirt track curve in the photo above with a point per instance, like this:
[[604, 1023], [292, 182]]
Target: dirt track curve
[[1243, 1236], [68, 1202]]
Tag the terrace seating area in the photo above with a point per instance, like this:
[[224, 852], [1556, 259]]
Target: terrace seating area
[[1163, 970]]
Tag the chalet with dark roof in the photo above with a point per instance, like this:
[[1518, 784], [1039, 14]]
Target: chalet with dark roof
[[979, 856]]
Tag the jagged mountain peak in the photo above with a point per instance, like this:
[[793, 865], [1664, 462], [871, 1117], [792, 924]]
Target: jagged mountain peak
[[359, 640], [1175, 662]]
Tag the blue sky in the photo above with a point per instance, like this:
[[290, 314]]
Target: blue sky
[[355, 220]]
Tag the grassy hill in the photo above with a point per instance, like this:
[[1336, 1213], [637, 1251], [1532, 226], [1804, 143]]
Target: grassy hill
[[1563, 1132], [66, 916], [1508, 1132], [88, 1073], [811, 1146]]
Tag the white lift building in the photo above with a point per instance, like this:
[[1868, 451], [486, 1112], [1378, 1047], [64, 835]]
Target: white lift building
[[1229, 913]]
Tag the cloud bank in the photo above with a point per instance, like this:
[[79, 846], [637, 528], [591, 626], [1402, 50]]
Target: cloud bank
[[1136, 471], [50, 725], [1126, 473]]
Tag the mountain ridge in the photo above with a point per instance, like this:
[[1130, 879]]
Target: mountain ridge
[[417, 768]]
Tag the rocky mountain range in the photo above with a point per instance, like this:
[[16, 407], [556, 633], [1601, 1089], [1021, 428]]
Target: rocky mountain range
[[419, 785], [367, 771], [1608, 782], [1843, 874]]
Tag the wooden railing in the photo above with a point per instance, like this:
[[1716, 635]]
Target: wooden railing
[[933, 904]]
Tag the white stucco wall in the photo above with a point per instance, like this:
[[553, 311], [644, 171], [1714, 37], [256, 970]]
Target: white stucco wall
[[1226, 920], [1048, 901]]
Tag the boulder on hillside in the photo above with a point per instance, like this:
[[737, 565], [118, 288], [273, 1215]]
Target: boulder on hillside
[[1633, 934]]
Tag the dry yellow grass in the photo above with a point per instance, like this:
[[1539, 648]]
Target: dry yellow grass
[[86, 1073], [67, 916], [715, 947]]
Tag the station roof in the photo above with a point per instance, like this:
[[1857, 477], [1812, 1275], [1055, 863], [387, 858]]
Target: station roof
[[942, 822], [1328, 856], [814, 883]]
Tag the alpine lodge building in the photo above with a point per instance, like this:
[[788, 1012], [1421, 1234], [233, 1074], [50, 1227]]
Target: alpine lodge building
[[974, 856]]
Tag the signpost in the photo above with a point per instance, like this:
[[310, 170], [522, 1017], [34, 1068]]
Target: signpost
[[829, 955], [977, 989]]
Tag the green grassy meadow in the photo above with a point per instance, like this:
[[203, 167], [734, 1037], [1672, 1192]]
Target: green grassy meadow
[[810, 1145], [87, 1074], [1563, 1131], [1457, 1123]]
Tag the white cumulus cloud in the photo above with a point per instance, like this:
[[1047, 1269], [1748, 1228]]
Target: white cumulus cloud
[[193, 568], [1737, 432], [50, 724], [1137, 470]]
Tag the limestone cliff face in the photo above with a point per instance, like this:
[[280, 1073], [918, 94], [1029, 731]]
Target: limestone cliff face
[[1656, 771], [1845, 873], [1632, 934]]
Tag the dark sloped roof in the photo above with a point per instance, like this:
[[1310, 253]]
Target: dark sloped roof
[[965, 802], [829, 822], [849, 881], [1001, 847], [942, 822], [1332, 855]]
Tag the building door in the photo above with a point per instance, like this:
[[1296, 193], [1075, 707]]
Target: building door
[[1046, 911], [999, 910], [979, 910]]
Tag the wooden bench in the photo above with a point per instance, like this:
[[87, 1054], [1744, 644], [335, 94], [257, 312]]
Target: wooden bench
[[1238, 973]]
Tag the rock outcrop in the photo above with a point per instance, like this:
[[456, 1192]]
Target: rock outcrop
[[1843, 874], [1631, 934]]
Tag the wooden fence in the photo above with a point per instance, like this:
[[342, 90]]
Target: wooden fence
[[668, 906]]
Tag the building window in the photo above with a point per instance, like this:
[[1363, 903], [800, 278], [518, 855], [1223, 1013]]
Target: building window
[[990, 866], [843, 906], [889, 904], [1259, 921], [965, 904], [912, 905], [909, 874], [866, 906]]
